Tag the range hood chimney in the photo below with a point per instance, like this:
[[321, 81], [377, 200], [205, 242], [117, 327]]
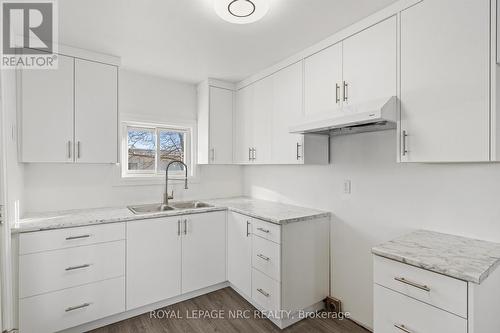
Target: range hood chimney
[[373, 116]]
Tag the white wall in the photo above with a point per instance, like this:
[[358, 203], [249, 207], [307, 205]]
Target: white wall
[[141, 98], [387, 200]]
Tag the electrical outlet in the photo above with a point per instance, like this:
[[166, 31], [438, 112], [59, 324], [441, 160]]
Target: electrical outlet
[[347, 186]]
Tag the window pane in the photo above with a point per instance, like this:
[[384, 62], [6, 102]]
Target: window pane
[[171, 148], [141, 149]]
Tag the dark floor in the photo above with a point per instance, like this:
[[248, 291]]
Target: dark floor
[[225, 299]]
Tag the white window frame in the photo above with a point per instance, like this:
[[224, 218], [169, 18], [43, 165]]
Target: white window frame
[[189, 150]]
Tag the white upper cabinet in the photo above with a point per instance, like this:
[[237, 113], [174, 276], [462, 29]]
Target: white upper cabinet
[[69, 114], [46, 112], [323, 81], [96, 112], [215, 124], [287, 111], [445, 73], [243, 133], [370, 64], [260, 120]]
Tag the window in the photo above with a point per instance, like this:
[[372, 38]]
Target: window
[[149, 149]]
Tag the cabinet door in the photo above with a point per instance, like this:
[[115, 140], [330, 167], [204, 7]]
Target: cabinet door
[[243, 136], [370, 64], [153, 260], [323, 73], [239, 252], [96, 112], [260, 120], [221, 126], [203, 250], [445, 52], [47, 113], [287, 111]]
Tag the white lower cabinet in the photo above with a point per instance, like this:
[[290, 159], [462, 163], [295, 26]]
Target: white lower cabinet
[[70, 277], [397, 313], [170, 256], [153, 260], [71, 307], [414, 300], [203, 250], [279, 268], [239, 252]]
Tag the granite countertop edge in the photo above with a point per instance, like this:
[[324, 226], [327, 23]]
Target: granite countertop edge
[[476, 268], [34, 225]]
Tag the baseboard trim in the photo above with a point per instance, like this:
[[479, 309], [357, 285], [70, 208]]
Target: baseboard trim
[[144, 309]]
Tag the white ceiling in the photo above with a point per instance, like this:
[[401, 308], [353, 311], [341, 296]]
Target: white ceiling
[[186, 40]]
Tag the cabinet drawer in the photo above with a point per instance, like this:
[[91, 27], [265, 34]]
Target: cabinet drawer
[[265, 291], [267, 230], [70, 237], [435, 289], [392, 309], [67, 308], [54, 270], [266, 257]]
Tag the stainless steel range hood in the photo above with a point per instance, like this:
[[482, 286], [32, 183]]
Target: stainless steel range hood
[[373, 116]]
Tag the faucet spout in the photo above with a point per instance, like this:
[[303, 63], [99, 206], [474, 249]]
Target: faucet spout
[[167, 197]]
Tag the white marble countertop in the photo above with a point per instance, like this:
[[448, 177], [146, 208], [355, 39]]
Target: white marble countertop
[[463, 258], [272, 212]]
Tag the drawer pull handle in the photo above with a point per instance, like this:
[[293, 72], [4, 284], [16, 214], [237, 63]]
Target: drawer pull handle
[[77, 237], [263, 230], [263, 292], [72, 268], [402, 328], [248, 228], [413, 284], [73, 308], [263, 257]]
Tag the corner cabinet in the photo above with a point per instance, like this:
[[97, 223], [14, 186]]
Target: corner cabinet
[[265, 110], [69, 114], [445, 81], [215, 122]]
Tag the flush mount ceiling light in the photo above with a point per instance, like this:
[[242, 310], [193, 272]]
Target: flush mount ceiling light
[[241, 11]]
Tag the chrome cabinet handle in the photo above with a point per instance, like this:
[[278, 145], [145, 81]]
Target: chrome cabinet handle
[[298, 154], [249, 153], [261, 256], [185, 226], [81, 306], [248, 228], [402, 328], [263, 230], [77, 237], [72, 268], [346, 87], [263, 292], [337, 93], [413, 284], [178, 227], [78, 149], [69, 149], [254, 154], [403, 143], [212, 154]]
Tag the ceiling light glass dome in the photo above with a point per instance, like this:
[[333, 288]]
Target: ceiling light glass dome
[[241, 11]]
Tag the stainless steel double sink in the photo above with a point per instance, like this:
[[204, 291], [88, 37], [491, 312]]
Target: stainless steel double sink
[[156, 208]]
